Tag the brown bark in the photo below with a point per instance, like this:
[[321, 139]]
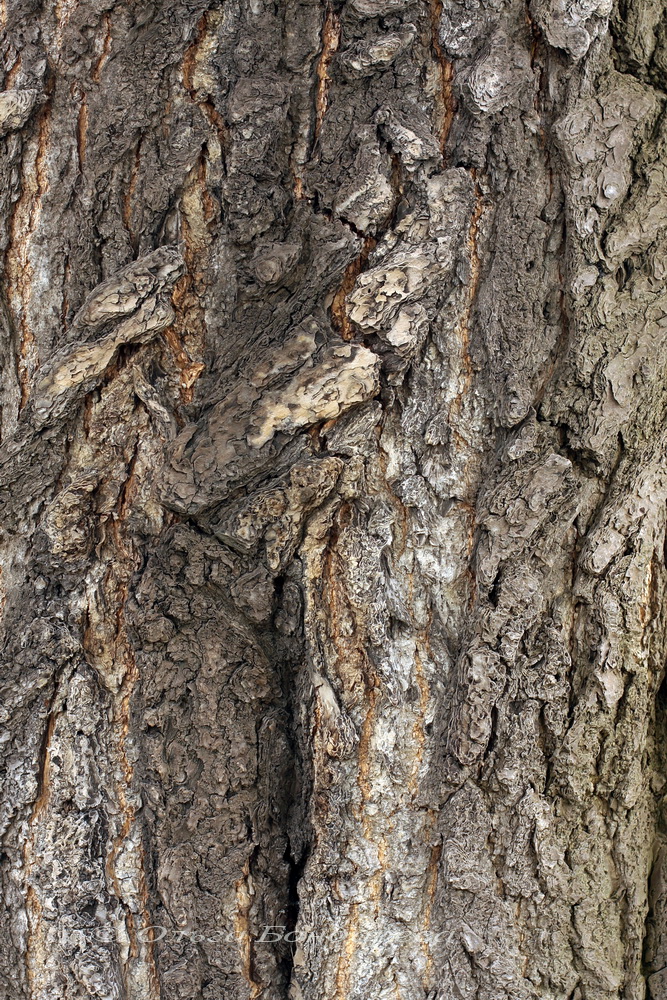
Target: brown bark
[[332, 472]]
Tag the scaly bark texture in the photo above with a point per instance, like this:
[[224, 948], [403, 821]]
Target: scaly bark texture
[[334, 498]]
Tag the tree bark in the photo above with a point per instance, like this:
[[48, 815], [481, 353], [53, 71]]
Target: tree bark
[[334, 500]]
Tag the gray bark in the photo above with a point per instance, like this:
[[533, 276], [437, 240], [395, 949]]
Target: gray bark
[[334, 499]]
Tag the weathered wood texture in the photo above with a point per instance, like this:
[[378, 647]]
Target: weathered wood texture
[[333, 499]]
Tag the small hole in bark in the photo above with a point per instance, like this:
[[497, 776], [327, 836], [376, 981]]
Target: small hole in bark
[[623, 274], [493, 738], [345, 516], [661, 697], [494, 593]]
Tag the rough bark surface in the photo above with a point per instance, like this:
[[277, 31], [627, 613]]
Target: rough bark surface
[[334, 496]]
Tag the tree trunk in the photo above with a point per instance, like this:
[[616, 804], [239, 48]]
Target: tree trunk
[[334, 498]]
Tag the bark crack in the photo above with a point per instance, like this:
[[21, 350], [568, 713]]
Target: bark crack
[[445, 101], [331, 34], [23, 225]]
